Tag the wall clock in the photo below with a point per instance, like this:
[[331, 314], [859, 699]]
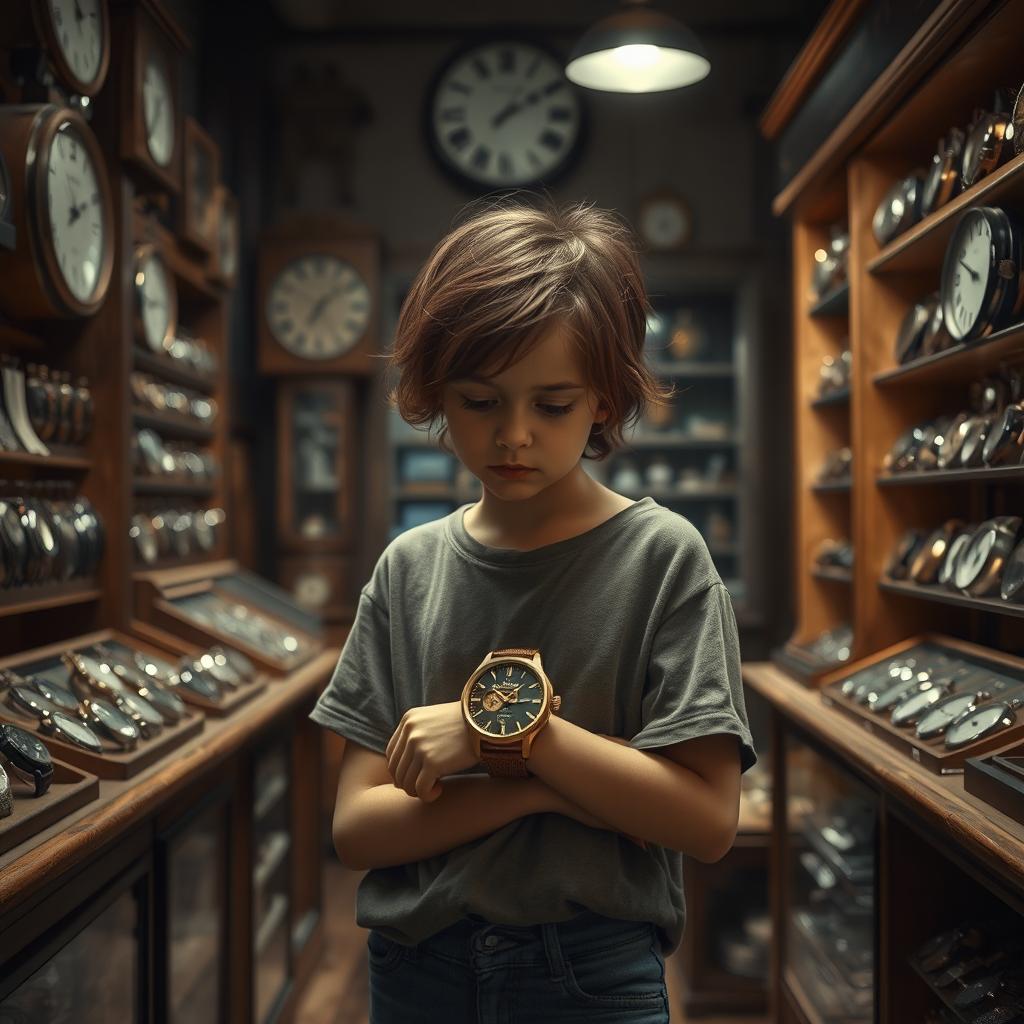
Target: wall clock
[[665, 220], [76, 36], [156, 300], [198, 206], [62, 208], [318, 298], [224, 267], [502, 114]]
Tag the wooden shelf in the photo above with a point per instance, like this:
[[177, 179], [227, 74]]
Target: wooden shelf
[[833, 575], [836, 398], [173, 371], [24, 460], [835, 303], [923, 246], [43, 596], [832, 486], [144, 485], [932, 592], [173, 426], [951, 476], [959, 363]]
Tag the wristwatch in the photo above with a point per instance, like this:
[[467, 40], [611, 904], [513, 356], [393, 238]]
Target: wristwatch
[[26, 757], [506, 702]]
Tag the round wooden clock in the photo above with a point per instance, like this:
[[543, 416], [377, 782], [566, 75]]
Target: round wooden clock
[[502, 114], [62, 207], [77, 39], [156, 300]]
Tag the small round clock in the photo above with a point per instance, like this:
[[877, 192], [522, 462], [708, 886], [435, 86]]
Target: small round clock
[[665, 221], [158, 110], [981, 273], [318, 306], [502, 114], [77, 36], [156, 299]]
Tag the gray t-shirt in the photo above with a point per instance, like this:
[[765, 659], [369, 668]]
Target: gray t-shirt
[[637, 634]]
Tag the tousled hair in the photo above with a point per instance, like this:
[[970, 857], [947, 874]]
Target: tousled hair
[[503, 276]]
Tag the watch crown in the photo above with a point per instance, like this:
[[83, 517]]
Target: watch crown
[[556, 703]]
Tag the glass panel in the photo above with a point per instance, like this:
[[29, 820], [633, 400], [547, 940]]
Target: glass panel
[[94, 979], [316, 428], [831, 856], [195, 870]]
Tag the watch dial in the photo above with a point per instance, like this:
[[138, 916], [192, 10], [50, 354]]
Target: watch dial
[[966, 275], [506, 699], [113, 720], [25, 744], [75, 204], [318, 307], [158, 111], [975, 557], [58, 695], [103, 673], [665, 223], [946, 711], [976, 725], [78, 27], [77, 732], [155, 300], [505, 115]]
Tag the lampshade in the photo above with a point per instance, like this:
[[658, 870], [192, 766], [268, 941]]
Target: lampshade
[[637, 49]]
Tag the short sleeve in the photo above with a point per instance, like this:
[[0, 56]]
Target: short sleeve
[[359, 700], [693, 685]]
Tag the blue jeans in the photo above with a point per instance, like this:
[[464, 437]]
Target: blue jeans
[[591, 968]]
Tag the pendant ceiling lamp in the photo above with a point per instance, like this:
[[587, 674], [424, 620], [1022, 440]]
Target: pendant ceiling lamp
[[637, 49]]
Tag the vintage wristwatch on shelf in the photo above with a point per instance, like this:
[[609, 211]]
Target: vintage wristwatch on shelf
[[506, 702], [26, 757]]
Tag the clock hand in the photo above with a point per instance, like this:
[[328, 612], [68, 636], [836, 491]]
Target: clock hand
[[319, 307], [79, 16], [975, 276]]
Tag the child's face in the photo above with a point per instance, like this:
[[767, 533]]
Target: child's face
[[509, 421]]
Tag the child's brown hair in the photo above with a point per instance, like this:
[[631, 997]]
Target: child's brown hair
[[498, 280]]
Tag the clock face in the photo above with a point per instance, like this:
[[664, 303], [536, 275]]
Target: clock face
[[75, 204], [228, 243], [312, 590], [318, 307], [504, 115], [156, 300], [158, 111], [665, 223], [506, 699], [966, 275], [78, 30]]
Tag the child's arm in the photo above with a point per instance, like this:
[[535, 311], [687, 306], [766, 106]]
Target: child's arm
[[377, 825]]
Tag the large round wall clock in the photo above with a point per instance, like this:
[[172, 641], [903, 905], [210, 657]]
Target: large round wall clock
[[318, 307], [77, 37], [502, 114], [62, 206]]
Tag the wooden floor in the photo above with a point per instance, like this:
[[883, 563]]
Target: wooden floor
[[337, 994]]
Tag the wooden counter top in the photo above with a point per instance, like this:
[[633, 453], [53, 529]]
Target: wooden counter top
[[122, 803], [977, 827]]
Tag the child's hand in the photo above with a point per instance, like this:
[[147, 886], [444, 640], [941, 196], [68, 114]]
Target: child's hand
[[430, 742]]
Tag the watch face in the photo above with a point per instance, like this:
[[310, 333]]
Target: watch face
[[140, 708], [103, 674], [78, 29], [975, 557], [665, 223], [28, 701], [157, 301], [507, 699], [75, 203], [937, 719], [318, 307], [503, 115], [158, 111], [116, 723], [75, 731], [59, 696], [977, 724], [911, 709], [967, 275], [24, 745]]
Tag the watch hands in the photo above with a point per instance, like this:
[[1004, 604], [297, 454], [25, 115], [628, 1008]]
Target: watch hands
[[79, 16], [975, 276], [319, 307], [514, 107]]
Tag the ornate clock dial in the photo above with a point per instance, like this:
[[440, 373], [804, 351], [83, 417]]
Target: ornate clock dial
[[157, 301], [158, 111], [318, 307], [78, 32], [504, 115], [75, 205], [506, 699]]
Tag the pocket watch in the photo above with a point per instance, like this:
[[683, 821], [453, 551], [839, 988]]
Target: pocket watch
[[987, 145], [982, 722], [146, 717], [925, 565], [906, 549], [92, 677], [910, 709], [952, 441], [28, 702], [71, 730], [899, 209], [913, 329], [899, 691], [1003, 444], [169, 705], [981, 273], [26, 757], [947, 574], [110, 722], [972, 450], [59, 696], [942, 182], [980, 566]]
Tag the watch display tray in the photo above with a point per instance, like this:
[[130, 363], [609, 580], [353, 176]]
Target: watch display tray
[[974, 667], [111, 764], [998, 779], [802, 665], [175, 646], [70, 789]]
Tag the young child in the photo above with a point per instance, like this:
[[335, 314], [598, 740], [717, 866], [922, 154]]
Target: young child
[[507, 884]]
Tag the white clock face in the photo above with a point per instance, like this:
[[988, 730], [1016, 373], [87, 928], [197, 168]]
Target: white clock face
[[966, 276], [318, 307], [75, 204], [78, 27], [228, 241], [158, 111], [312, 590], [505, 115], [665, 223], [154, 289]]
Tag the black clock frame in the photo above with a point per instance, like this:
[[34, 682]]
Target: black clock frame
[[455, 173]]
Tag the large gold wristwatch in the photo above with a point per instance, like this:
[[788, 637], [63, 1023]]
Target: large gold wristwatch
[[506, 702]]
